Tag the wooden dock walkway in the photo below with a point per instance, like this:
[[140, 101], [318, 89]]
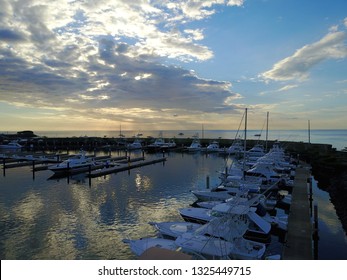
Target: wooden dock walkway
[[299, 244]]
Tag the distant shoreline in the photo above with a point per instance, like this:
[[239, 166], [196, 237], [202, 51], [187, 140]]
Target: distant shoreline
[[335, 137]]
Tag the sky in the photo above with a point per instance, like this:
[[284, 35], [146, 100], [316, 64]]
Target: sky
[[172, 64]]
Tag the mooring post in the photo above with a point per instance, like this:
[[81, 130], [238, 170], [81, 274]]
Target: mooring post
[[33, 169], [315, 236], [309, 180], [207, 182]]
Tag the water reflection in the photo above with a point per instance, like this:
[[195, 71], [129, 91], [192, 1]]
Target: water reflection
[[332, 243], [142, 182], [72, 219]]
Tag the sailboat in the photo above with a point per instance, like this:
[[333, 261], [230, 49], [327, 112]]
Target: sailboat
[[121, 140]]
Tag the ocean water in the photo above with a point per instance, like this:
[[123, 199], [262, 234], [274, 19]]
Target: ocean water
[[42, 217]]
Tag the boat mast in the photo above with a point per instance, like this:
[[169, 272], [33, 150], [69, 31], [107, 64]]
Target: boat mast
[[244, 145], [267, 129]]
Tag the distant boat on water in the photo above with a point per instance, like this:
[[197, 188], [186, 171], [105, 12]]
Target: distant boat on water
[[11, 145], [195, 146]]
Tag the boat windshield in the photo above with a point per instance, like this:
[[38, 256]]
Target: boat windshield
[[215, 213]]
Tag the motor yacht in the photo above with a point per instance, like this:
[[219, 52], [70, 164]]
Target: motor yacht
[[79, 161], [11, 145]]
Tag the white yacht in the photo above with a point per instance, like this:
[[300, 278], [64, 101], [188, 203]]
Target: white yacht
[[79, 161], [136, 145], [11, 145], [195, 146], [213, 147]]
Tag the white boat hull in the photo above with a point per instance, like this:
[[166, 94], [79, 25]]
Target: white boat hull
[[174, 229], [139, 246]]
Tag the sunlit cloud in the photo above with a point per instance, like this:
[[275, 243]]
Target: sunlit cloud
[[126, 61], [287, 87], [298, 66], [73, 56]]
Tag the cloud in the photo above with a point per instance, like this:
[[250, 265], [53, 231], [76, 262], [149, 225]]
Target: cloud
[[104, 58], [298, 66], [235, 2], [287, 87], [10, 36]]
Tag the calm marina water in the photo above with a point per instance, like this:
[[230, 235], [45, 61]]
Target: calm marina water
[[74, 218]]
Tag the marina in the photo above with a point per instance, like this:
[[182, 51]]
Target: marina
[[169, 194]]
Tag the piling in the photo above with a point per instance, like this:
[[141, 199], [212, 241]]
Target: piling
[[309, 181], [315, 235]]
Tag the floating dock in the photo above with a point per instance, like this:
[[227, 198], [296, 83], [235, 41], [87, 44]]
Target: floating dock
[[130, 165], [299, 244]]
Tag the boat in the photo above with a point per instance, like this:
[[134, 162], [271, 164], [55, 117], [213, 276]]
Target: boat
[[265, 171], [207, 247], [235, 178], [229, 187], [213, 147], [208, 204], [258, 230], [222, 238], [219, 239], [256, 151], [11, 145], [157, 144], [139, 246], [236, 148], [77, 162], [136, 145], [219, 193], [195, 146], [171, 230], [168, 145]]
